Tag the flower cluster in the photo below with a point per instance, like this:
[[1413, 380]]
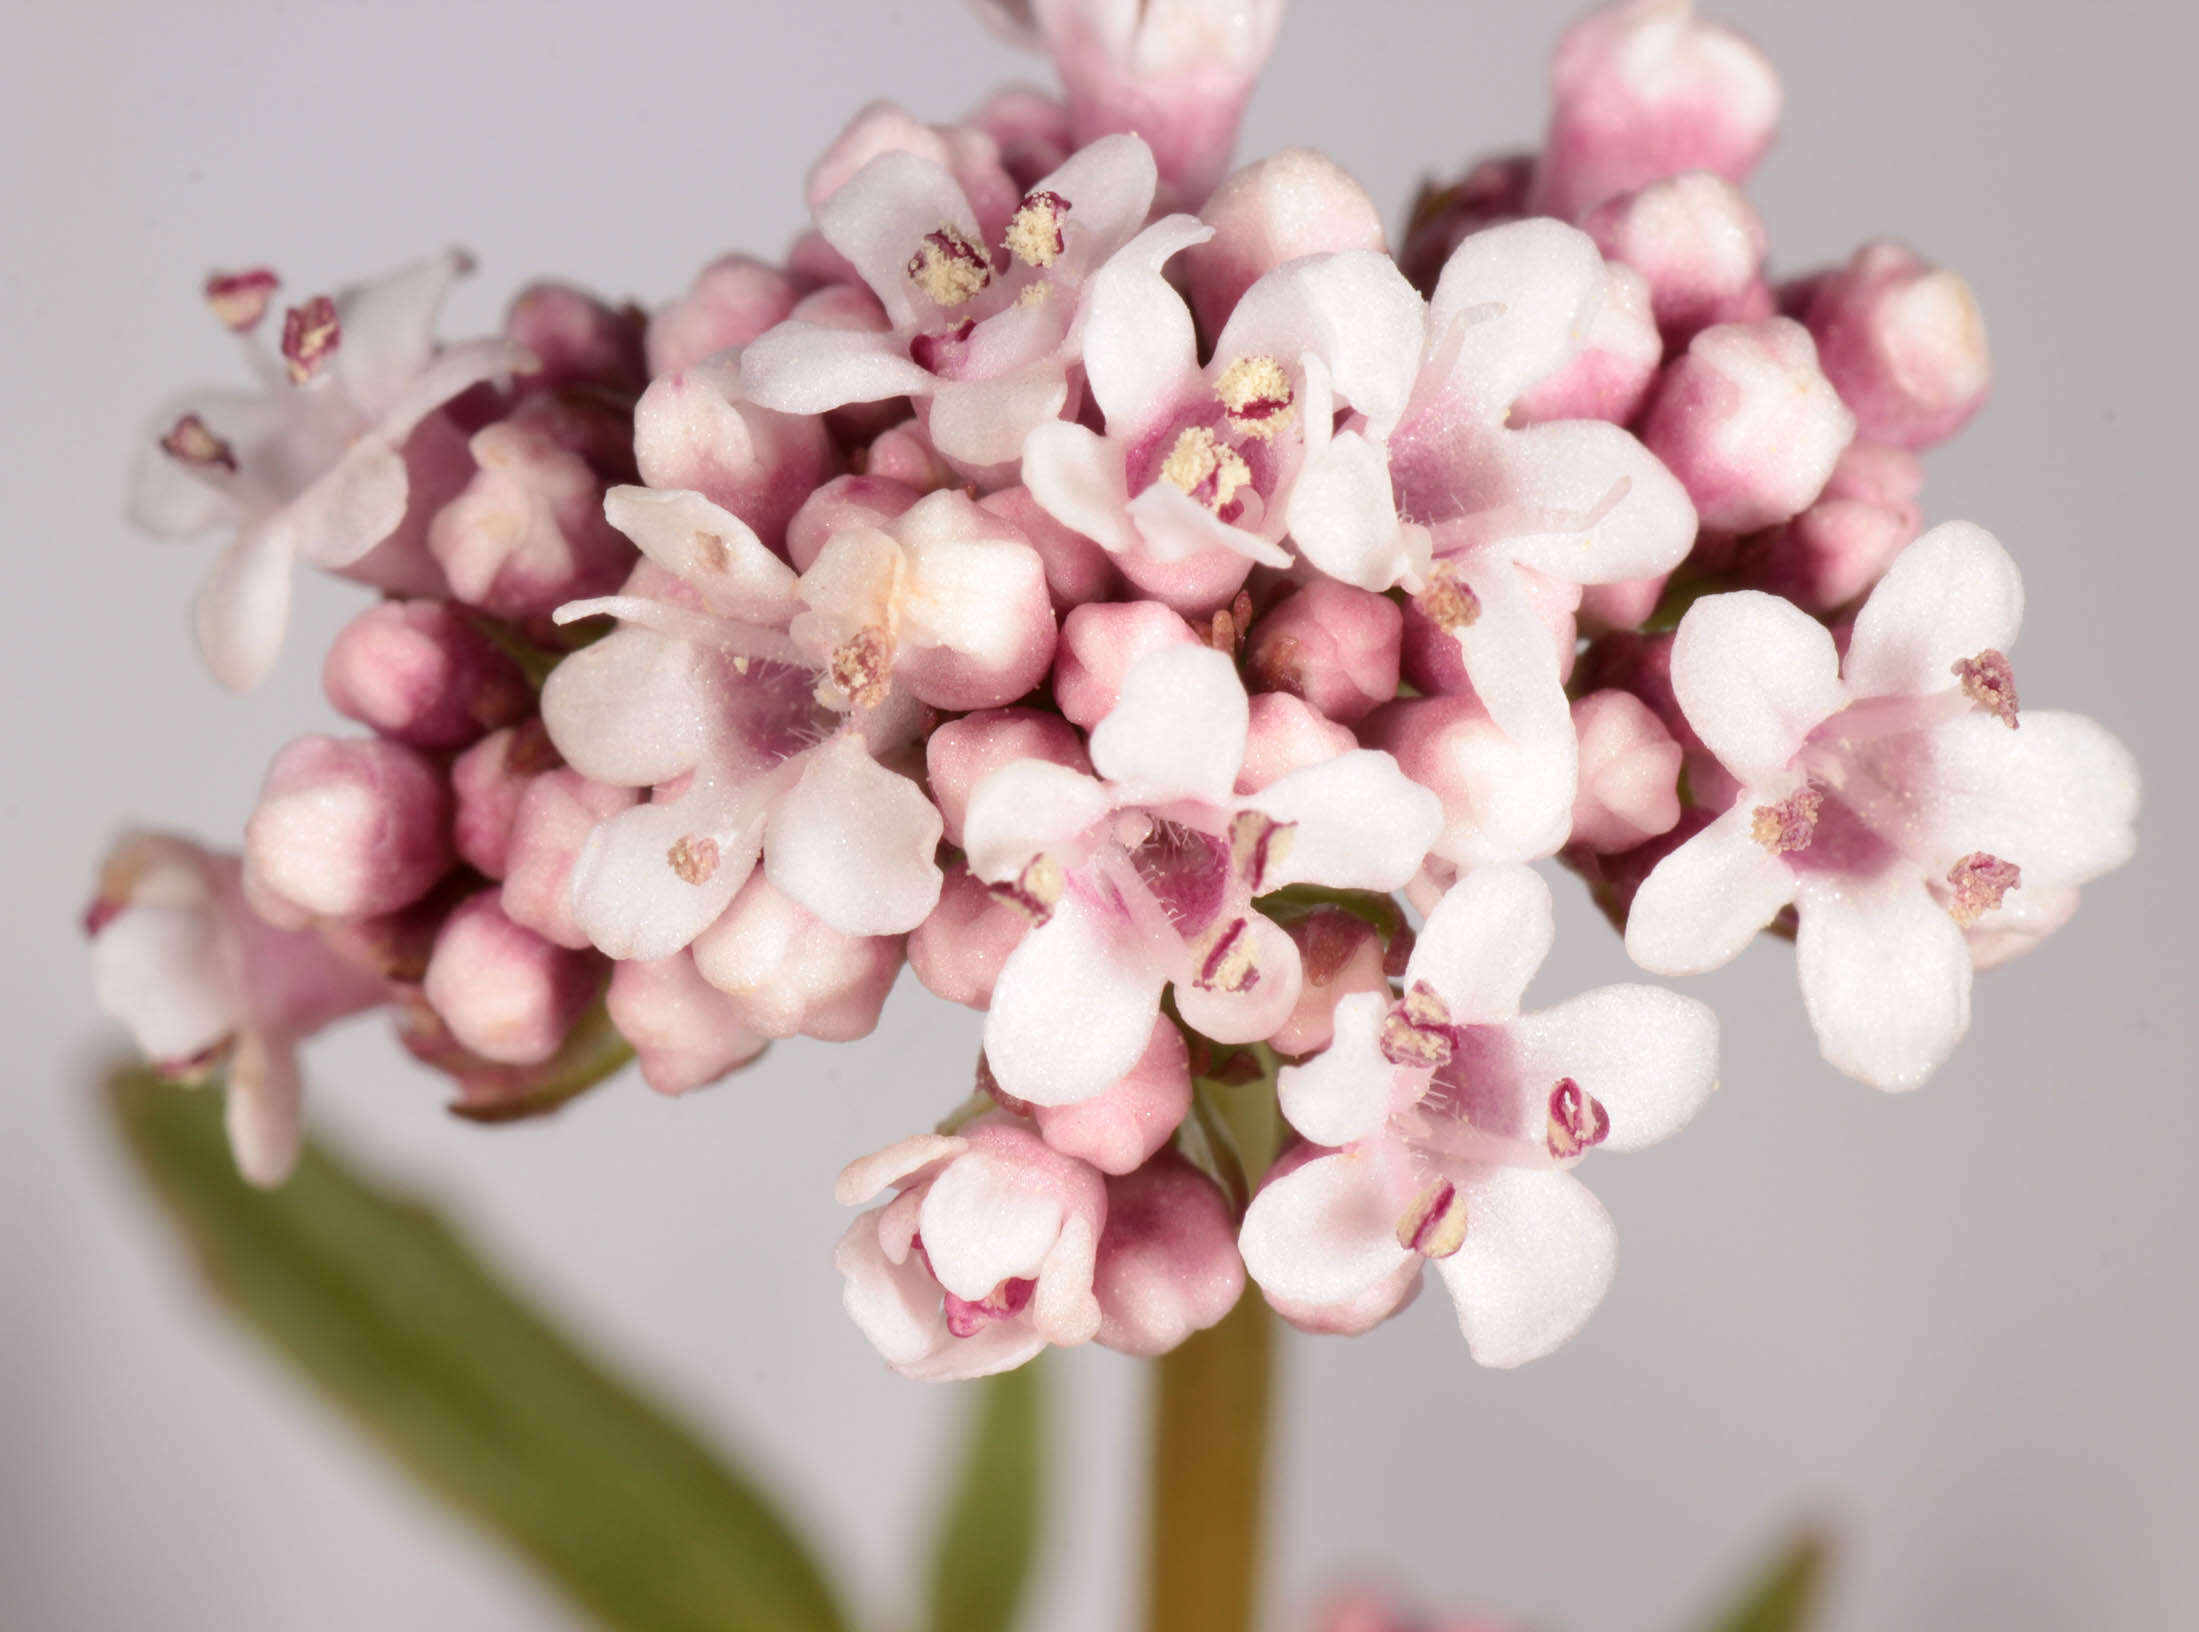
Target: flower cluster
[[1121, 591]]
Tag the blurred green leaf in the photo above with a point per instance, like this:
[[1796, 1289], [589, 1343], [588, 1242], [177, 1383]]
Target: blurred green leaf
[[1787, 1593], [484, 1402], [982, 1559]]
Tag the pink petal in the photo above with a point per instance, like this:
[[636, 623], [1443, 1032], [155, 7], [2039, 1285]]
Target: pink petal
[[1354, 310], [264, 1109], [1025, 809], [1343, 516], [1077, 477], [1073, 1008], [629, 709], [645, 886], [389, 330], [984, 422], [1522, 295], [1324, 1234]]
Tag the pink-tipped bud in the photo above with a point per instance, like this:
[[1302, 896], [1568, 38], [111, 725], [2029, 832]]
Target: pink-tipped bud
[[1333, 645], [962, 753], [1698, 242], [904, 453], [1168, 1263], [696, 430], [845, 501], [1077, 569], [576, 339], [1030, 128], [732, 300], [1492, 192], [1749, 423], [1834, 551], [1194, 585], [1624, 605], [1611, 373], [346, 828], [1097, 647], [420, 672], [1645, 89], [1503, 800], [1293, 203], [555, 816], [527, 534], [966, 152], [506, 994], [957, 951], [686, 1033], [1339, 954], [1629, 773], [1117, 1129], [1904, 343], [1285, 734], [793, 974], [489, 779]]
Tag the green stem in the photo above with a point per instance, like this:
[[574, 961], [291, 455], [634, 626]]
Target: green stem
[[1209, 1461]]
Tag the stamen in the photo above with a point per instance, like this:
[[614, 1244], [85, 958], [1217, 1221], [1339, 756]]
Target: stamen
[[190, 442], [1435, 1225], [1004, 1302], [1447, 602], [311, 333], [1979, 881], [1258, 844], [1231, 963], [1578, 1121], [1989, 680], [1257, 394], [1205, 468], [1036, 889], [948, 267], [1034, 233], [924, 350], [694, 858], [1788, 826], [240, 299], [1417, 1031], [863, 668]]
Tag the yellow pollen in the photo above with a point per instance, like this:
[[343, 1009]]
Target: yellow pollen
[[1199, 458], [1034, 232], [948, 267], [1257, 394]]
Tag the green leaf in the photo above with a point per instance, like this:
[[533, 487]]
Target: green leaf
[[1787, 1593], [981, 1561], [478, 1397]]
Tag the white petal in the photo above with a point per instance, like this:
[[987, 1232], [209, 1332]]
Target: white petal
[[1109, 185], [628, 710], [855, 843], [1523, 295], [453, 369], [1077, 477], [1140, 352], [388, 330], [1073, 1009], [880, 217], [1177, 730], [866, 1178], [1885, 976], [1599, 507], [176, 499], [895, 1305], [1510, 658], [1173, 526], [808, 368], [1342, 1094], [348, 509], [1952, 594], [1707, 899], [1343, 515], [1754, 675], [1648, 1056], [264, 1109], [983, 1222], [984, 422], [243, 607], [2058, 796], [1000, 1345], [1323, 1234], [628, 898], [1354, 310], [1539, 1255], [1024, 809], [1360, 823], [1483, 943], [710, 549], [166, 974]]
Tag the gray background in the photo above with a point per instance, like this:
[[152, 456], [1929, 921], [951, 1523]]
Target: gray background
[[1958, 1323]]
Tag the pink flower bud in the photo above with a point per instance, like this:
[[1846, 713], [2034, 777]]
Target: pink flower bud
[[1840, 546], [1700, 245], [420, 672], [1492, 192], [1340, 954], [556, 813], [1904, 343], [1195, 585], [528, 532], [575, 339], [488, 780], [1331, 644], [845, 501], [346, 828], [1168, 1263], [1077, 569], [1624, 605], [506, 994], [1293, 203], [686, 1033], [1503, 800], [1629, 773], [957, 951], [966, 152], [904, 453], [1643, 89], [1097, 647], [732, 300], [695, 430], [962, 753], [1611, 373], [1117, 1129], [792, 974], [1749, 423], [1287, 734]]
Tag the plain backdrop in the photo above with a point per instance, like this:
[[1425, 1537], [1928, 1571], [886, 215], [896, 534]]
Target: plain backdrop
[[1957, 1324]]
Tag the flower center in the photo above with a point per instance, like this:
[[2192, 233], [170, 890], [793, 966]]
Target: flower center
[[949, 267], [1790, 825], [1257, 394], [1207, 468]]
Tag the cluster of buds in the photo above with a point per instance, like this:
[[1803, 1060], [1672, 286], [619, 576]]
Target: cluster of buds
[[1121, 591]]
